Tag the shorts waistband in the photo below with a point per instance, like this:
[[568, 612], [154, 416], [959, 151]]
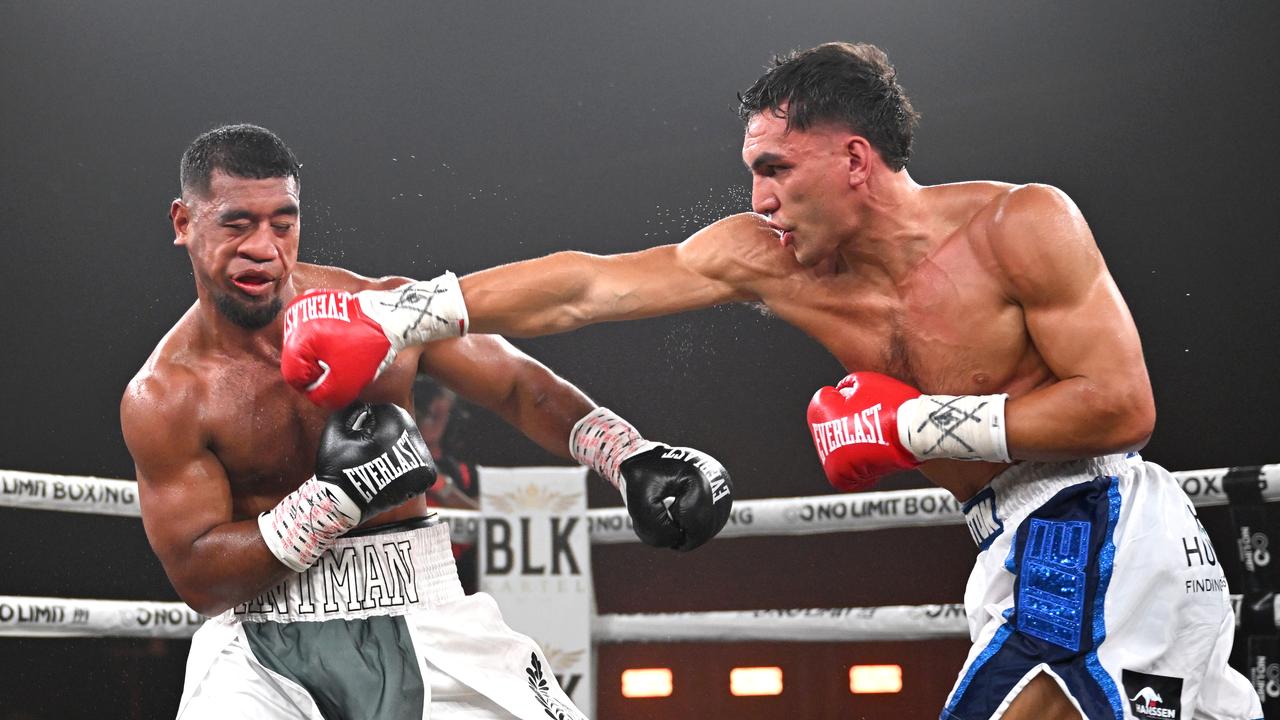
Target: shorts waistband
[[384, 574], [1015, 492]]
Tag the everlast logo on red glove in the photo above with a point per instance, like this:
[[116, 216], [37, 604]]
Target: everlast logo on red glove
[[855, 429], [861, 428], [331, 349], [315, 305]]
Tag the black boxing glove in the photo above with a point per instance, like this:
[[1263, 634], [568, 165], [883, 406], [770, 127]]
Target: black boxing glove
[[677, 497], [371, 458]]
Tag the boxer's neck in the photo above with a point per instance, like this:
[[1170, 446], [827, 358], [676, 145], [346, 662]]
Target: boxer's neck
[[221, 333], [891, 226]]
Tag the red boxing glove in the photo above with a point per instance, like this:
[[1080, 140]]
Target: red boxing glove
[[332, 350], [336, 342], [855, 429]]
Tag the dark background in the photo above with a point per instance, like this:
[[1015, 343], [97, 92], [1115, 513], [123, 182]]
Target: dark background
[[460, 135]]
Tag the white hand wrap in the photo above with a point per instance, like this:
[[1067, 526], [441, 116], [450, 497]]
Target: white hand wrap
[[958, 427], [306, 522], [417, 312], [601, 440]]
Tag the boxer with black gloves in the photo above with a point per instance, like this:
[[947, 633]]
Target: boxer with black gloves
[[302, 532]]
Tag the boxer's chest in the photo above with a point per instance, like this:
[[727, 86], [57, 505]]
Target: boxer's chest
[[947, 329], [265, 434]]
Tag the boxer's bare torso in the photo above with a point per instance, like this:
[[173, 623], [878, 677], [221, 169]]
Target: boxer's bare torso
[[263, 432], [980, 288], [238, 408], [218, 437], [938, 316]]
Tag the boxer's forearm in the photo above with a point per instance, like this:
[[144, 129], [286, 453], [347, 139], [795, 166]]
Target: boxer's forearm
[[226, 566], [542, 296], [1079, 418], [568, 290], [544, 407]]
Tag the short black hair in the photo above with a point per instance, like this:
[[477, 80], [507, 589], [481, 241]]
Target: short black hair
[[242, 150], [849, 84]]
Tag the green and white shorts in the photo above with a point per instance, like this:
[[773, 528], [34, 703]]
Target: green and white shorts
[[378, 628]]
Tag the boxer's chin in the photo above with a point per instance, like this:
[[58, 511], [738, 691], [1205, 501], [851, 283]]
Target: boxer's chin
[[248, 314]]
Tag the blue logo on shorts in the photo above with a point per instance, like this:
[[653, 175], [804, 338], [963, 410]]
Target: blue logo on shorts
[[1052, 582]]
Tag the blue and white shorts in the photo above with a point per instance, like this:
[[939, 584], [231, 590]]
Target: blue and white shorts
[[1098, 573]]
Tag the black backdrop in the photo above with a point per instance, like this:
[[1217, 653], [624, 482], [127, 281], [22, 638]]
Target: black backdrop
[[460, 135]]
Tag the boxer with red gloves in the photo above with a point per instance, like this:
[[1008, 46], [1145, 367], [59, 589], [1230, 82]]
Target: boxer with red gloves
[[871, 425], [973, 289]]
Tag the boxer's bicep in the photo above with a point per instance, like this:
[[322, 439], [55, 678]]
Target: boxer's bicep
[[1077, 321], [568, 290], [183, 489], [1073, 310]]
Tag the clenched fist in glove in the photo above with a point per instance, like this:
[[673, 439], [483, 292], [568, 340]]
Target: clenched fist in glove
[[677, 497], [871, 425], [371, 458], [336, 342]]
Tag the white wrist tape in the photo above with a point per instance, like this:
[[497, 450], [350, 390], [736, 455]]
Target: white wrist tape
[[418, 312], [601, 440], [306, 522], [958, 427]]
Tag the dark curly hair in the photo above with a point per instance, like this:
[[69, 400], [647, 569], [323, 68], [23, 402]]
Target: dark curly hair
[[852, 85]]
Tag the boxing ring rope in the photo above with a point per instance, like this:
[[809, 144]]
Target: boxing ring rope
[[22, 616]]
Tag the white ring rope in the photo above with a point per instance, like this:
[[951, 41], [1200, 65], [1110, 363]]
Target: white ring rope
[[22, 616], [775, 516], [60, 617]]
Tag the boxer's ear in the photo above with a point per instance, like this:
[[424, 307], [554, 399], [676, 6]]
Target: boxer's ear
[[180, 216], [859, 154]]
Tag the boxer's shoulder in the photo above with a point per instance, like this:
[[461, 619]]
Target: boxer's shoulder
[[1011, 211], [165, 398], [307, 276], [1003, 223], [1034, 236], [173, 370]]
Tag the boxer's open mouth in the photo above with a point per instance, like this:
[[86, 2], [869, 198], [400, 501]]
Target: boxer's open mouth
[[253, 282]]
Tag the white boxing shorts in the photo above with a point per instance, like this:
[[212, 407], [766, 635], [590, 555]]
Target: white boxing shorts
[[379, 628], [1098, 573]]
